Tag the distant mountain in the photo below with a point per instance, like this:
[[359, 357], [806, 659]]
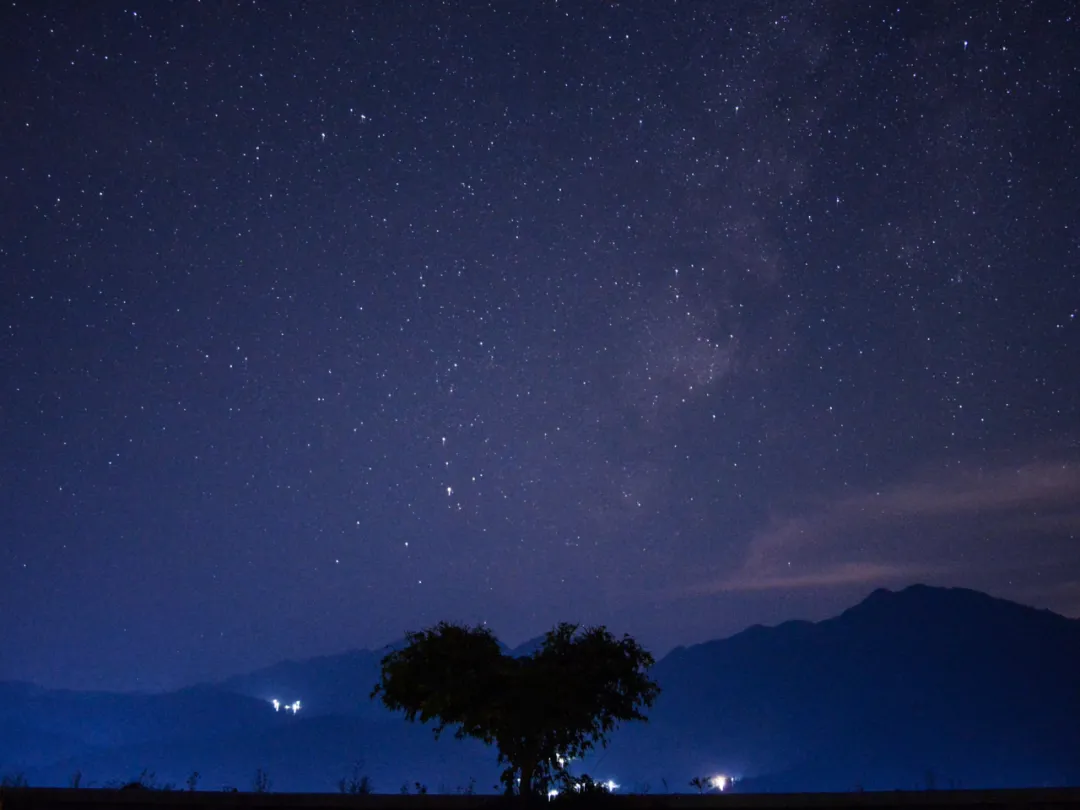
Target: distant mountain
[[529, 647], [333, 684], [925, 687], [946, 687], [300, 755], [42, 726]]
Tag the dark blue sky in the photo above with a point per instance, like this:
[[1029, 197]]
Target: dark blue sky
[[321, 322]]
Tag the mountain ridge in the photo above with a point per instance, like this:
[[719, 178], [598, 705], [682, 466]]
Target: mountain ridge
[[978, 690]]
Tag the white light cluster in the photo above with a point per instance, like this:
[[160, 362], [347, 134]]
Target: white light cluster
[[610, 785], [719, 782], [292, 708]]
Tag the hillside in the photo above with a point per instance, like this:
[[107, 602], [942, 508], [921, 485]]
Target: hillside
[[921, 687]]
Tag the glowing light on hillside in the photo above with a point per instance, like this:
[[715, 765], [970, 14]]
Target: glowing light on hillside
[[292, 708], [719, 782], [610, 786]]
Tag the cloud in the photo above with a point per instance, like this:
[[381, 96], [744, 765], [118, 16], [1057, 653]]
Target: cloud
[[849, 573], [895, 534], [1039, 484]]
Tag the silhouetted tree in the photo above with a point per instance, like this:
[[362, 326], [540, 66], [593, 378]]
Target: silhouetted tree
[[538, 710]]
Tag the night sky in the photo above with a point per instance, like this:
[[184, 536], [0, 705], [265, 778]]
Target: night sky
[[323, 321]]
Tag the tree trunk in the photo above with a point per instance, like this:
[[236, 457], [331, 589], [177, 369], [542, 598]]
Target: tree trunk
[[528, 769]]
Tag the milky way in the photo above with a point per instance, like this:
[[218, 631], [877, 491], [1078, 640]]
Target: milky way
[[322, 324]]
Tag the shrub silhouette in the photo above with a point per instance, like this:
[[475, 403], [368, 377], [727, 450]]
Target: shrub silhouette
[[261, 782], [359, 784]]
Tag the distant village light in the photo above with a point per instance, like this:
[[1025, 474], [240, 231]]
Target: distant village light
[[292, 708]]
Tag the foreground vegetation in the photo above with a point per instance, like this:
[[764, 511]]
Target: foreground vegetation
[[540, 711]]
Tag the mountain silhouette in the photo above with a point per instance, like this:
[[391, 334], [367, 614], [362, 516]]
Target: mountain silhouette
[[919, 688], [926, 686]]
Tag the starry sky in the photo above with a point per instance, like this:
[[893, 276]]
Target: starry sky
[[324, 321]]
